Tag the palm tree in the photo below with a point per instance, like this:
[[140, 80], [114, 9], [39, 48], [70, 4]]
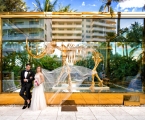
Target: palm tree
[[143, 8], [122, 45], [48, 6], [65, 8], [108, 4], [134, 36]]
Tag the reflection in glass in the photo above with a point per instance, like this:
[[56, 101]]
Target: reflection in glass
[[120, 68]]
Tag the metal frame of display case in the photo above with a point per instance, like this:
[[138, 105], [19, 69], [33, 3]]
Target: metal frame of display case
[[63, 15]]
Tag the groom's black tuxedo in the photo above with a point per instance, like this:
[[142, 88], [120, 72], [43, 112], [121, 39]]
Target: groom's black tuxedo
[[29, 77], [26, 86]]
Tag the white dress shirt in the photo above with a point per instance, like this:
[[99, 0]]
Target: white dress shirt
[[26, 73]]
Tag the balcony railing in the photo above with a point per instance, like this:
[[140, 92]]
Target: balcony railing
[[102, 29], [104, 24], [67, 20], [67, 26], [24, 26], [67, 31], [22, 37], [66, 37]]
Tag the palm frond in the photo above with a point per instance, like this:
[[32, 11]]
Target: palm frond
[[143, 8], [101, 8], [38, 4], [54, 4], [132, 51], [66, 8], [111, 12]]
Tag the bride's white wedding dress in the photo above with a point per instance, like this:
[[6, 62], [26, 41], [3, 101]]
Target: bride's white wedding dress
[[38, 101]]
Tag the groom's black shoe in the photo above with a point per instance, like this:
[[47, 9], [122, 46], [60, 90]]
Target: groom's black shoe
[[29, 104], [24, 107]]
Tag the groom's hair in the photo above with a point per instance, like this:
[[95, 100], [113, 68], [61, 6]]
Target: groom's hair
[[28, 64]]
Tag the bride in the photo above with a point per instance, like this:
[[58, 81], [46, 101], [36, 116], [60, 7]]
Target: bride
[[38, 101]]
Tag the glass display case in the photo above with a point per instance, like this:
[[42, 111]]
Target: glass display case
[[77, 55]]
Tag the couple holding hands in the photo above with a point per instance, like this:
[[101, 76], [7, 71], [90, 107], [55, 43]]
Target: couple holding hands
[[36, 101]]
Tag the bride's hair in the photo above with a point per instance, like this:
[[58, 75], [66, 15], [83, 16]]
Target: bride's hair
[[40, 68]]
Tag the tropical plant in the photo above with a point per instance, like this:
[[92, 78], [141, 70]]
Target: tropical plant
[[47, 7], [134, 37], [108, 4], [13, 6], [15, 62], [47, 62], [122, 66], [122, 45], [67, 8]]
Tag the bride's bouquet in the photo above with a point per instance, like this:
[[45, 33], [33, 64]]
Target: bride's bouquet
[[36, 83]]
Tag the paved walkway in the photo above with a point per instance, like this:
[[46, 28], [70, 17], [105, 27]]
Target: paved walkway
[[83, 113]]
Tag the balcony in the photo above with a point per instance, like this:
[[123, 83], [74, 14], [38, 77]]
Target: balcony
[[94, 39], [67, 20], [67, 26], [67, 31], [66, 37], [99, 34], [103, 29], [23, 26], [22, 38], [104, 24]]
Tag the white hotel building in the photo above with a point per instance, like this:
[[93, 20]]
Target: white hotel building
[[16, 30], [82, 30], [63, 30]]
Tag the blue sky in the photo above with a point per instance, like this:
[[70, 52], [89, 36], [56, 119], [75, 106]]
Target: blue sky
[[94, 5]]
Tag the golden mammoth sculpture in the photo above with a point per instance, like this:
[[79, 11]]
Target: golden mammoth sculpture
[[69, 54]]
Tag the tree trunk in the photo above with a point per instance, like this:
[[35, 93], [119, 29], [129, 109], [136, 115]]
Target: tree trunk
[[115, 48], [123, 48], [126, 49], [108, 59], [143, 60]]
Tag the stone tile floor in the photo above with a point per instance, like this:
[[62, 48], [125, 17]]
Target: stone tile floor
[[14, 112]]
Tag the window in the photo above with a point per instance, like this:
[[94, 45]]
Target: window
[[34, 34], [69, 29], [88, 36], [88, 20], [45, 37], [19, 23], [88, 26], [60, 29], [16, 34], [78, 23], [78, 35], [61, 23], [102, 21], [78, 28], [88, 31], [33, 22], [45, 27], [69, 23], [60, 35]]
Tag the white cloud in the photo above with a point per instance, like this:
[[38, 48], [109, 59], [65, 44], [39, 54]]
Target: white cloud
[[126, 10], [130, 4], [83, 3], [134, 9], [92, 5]]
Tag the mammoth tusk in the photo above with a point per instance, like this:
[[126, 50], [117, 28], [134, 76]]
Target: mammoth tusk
[[35, 56]]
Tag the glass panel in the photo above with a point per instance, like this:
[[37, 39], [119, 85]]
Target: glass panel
[[82, 55]]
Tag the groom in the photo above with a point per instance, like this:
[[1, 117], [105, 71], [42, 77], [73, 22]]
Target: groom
[[27, 77]]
